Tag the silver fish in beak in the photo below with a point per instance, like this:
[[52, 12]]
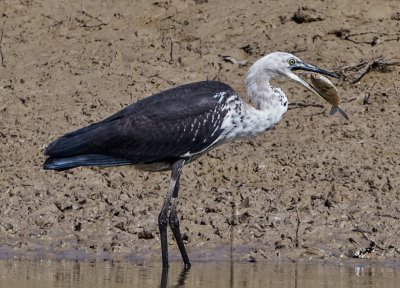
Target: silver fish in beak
[[321, 87], [329, 92]]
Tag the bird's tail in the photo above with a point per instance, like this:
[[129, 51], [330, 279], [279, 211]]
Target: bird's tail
[[65, 163]]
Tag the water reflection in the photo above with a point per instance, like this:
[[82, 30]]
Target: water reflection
[[52, 273], [181, 279]]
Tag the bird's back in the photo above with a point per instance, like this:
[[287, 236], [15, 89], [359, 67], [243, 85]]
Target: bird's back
[[164, 127]]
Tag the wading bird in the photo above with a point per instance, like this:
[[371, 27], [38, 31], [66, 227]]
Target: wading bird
[[174, 127]]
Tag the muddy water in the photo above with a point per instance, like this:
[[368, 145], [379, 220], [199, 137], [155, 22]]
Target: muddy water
[[51, 273]]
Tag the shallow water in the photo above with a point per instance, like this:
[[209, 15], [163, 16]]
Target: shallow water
[[55, 273]]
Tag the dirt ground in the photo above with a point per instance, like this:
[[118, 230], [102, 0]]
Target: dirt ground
[[315, 187]]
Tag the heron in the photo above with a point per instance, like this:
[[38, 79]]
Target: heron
[[174, 127]]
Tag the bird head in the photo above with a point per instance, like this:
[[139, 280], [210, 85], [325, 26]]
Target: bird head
[[283, 65]]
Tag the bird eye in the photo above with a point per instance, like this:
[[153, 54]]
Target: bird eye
[[292, 61]]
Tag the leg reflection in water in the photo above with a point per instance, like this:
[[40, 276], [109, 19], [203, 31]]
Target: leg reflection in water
[[181, 280]]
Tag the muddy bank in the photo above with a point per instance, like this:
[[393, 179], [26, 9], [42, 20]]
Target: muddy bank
[[314, 187]]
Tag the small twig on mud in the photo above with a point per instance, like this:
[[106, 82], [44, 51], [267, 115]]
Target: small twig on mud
[[346, 35], [162, 78], [368, 94], [388, 216], [232, 60], [362, 232], [365, 66], [296, 51], [350, 100], [297, 227], [375, 64], [1, 50], [93, 17], [302, 105], [219, 70], [171, 50], [270, 206], [84, 23], [373, 32], [55, 24], [354, 67]]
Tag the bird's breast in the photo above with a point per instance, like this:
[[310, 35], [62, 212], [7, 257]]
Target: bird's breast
[[243, 120]]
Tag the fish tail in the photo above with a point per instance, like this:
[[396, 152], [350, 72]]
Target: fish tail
[[335, 109], [343, 113]]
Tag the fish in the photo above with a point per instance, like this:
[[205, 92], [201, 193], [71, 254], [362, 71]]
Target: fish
[[328, 92]]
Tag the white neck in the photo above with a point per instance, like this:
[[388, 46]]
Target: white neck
[[270, 105], [270, 101]]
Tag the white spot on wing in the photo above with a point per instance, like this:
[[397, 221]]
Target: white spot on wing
[[195, 134], [220, 96], [231, 98], [215, 130]]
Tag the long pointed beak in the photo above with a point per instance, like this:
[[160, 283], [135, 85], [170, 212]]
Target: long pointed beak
[[311, 68]]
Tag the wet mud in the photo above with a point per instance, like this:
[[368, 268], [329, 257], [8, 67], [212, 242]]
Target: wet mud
[[315, 187]]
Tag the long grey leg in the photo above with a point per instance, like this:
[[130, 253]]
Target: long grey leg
[[164, 214]]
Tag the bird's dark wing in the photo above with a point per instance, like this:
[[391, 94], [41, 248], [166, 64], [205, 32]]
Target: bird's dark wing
[[161, 128]]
